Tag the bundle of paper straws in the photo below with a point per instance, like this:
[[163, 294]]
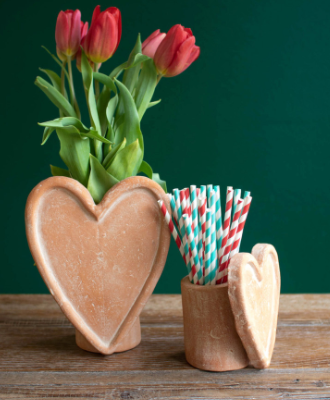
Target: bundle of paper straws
[[206, 242]]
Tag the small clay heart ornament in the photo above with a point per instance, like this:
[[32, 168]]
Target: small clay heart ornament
[[100, 262], [254, 290]]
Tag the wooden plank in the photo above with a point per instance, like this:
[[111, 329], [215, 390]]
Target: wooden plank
[[39, 358]]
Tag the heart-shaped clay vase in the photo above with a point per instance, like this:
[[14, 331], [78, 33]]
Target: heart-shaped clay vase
[[100, 262], [254, 290]]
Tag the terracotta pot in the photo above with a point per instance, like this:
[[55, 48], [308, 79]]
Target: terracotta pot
[[210, 338], [228, 326], [100, 262]]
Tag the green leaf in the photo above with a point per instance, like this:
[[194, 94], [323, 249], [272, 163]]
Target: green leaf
[[87, 74], [110, 111], [132, 62], [145, 87], [146, 169], [55, 97], [100, 181], [105, 80], [47, 132], [57, 171], [55, 79], [74, 122], [156, 178], [104, 98], [131, 74], [126, 162], [154, 103], [75, 153], [66, 121], [130, 128], [112, 152], [57, 61]]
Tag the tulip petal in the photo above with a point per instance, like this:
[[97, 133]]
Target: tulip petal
[[117, 15], [62, 32], [96, 13], [168, 47], [151, 47], [181, 58], [75, 32], [149, 38]]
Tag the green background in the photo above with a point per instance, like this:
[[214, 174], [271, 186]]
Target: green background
[[251, 112]]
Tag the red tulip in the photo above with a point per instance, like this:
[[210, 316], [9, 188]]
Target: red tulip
[[83, 33], [104, 34], [176, 51], [150, 45], [67, 33]]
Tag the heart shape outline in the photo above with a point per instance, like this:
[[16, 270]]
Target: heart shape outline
[[245, 266], [82, 195]]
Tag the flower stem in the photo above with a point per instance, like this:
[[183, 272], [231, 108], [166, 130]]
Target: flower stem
[[63, 79], [159, 77], [97, 84], [74, 102]]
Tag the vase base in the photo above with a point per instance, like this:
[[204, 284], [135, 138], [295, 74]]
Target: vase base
[[131, 340]]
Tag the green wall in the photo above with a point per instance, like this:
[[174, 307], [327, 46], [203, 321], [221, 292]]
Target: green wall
[[253, 112]]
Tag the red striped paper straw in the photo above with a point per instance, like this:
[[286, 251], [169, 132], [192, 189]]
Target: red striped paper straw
[[241, 223], [226, 222], [225, 257], [202, 214], [239, 233], [172, 228]]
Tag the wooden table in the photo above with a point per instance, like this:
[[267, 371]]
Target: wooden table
[[39, 358]]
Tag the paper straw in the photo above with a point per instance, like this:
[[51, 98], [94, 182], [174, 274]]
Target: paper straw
[[197, 271], [213, 271], [203, 191], [207, 253], [202, 217], [188, 204], [225, 257], [218, 219], [194, 212], [246, 194], [208, 191], [174, 211], [226, 222], [176, 193], [237, 195], [241, 224]]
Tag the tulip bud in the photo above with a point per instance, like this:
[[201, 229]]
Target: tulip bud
[[104, 34], [176, 51], [150, 45], [83, 33], [68, 33]]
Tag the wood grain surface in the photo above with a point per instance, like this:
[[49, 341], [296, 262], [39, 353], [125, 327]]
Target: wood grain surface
[[39, 358]]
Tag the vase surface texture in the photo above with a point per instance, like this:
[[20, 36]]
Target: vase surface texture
[[100, 262], [229, 326]]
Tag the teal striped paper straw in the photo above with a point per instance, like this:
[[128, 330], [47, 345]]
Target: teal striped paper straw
[[174, 211], [202, 219], [209, 189], [202, 192], [176, 193], [213, 263], [218, 219], [194, 211], [246, 194], [237, 195], [198, 273], [207, 253]]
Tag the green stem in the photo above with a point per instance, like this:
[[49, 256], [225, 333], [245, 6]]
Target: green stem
[[74, 102], [63, 79], [159, 77], [97, 84]]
